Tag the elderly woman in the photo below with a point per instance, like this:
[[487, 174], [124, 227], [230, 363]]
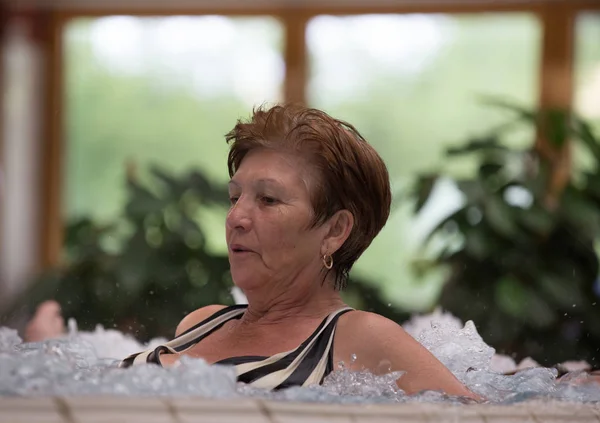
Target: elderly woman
[[308, 195]]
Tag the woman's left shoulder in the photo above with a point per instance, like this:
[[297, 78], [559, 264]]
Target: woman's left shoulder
[[366, 320], [375, 343], [359, 327]]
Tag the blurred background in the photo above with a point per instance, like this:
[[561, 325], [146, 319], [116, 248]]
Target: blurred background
[[113, 158]]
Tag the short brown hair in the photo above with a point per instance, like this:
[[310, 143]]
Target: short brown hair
[[352, 176]]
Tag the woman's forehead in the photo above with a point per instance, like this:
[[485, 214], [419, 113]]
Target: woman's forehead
[[268, 167]]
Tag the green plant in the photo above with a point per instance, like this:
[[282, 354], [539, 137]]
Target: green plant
[[520, 249], [148, 268]]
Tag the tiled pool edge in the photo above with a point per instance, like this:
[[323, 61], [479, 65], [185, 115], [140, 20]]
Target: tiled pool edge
[[109, 409]]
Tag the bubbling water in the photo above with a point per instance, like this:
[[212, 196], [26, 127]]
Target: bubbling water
[[85, 363]]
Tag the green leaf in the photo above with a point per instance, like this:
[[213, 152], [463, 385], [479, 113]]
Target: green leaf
[[581, 213], [500, 217], [478, 244], [522, 112], [556, 126], [457, 218], [511, 297], [421, 266], [173, 188], [422, 190], [561, 291], [519, 301], [538, 314], [206, 191], [585, 134], [476, 145], [592, 185], [490, 169], [536, 219], [142, 202], [473, 189]]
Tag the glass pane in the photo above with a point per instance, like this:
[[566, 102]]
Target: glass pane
[[410, 84], [587, 66], [587, 79], [159, 91]]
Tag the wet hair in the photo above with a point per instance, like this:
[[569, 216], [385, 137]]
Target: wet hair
[[350, 174]]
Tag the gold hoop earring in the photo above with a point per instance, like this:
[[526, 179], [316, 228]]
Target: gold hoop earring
[[328, 261]]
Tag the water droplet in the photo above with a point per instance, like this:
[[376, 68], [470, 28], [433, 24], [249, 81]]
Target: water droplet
[[574, 305], [566, 314], [593, 304], [353, 358], [389, 304]]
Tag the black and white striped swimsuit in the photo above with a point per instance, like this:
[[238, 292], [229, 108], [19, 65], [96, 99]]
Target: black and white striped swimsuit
[[308, 364]]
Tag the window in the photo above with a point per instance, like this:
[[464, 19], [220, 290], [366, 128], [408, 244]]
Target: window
[[587, 65], [160, 91], [410, 84], [587, 79]]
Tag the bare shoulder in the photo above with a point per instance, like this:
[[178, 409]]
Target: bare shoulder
[[196, 317], [371, 331], [366, 320], [381, 345]]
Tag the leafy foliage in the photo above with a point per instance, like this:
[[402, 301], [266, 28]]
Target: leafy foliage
[[160, 270], [520, 248]]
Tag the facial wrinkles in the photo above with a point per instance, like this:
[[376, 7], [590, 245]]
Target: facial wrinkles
[[294, 261], [285, 290], [281, 186], [272, 226], [276, 231], [283, 233]]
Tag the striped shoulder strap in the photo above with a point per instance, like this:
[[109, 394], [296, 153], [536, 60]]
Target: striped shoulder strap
[[306, 365], [187, 339]]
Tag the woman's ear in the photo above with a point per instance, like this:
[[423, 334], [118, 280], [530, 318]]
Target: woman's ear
[[339, 227]]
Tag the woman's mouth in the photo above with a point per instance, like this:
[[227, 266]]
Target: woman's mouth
[[239, 249]]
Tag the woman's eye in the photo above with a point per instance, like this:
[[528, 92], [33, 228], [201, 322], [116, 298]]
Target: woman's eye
[[269, 200], [233, 199]]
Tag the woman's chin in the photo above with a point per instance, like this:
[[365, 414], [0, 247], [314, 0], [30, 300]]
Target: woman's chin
[[246, 283]]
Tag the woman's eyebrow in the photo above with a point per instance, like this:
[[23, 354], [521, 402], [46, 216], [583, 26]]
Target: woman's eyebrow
[[259, 182], [268, 181]]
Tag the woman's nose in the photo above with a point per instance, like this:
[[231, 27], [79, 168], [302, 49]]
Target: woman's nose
[[239, 215]]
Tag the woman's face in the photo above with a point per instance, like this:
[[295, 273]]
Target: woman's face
[[268, 225]]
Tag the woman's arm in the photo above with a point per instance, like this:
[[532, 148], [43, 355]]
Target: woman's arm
[[382, 346]]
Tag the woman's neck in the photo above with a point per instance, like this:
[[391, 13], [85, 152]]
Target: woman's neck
[[291, 306]]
